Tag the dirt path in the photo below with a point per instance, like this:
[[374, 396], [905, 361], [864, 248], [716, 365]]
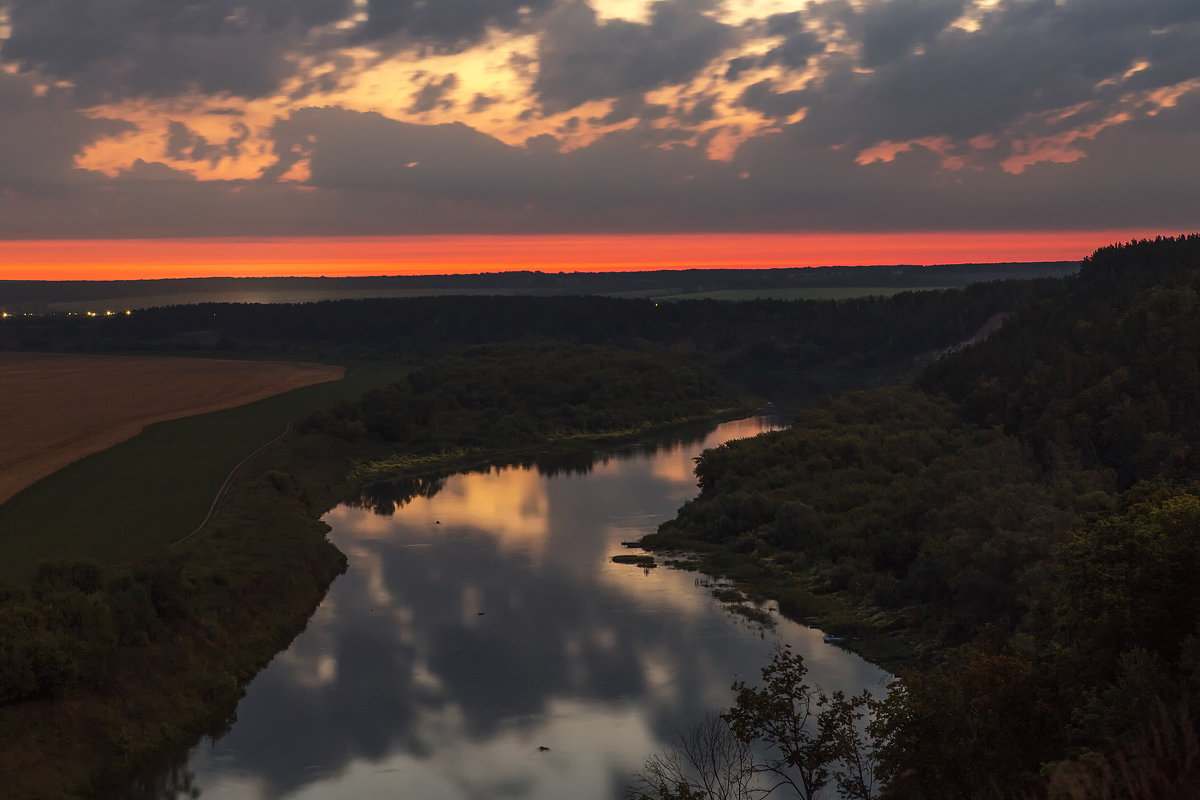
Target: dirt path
[[56, 409]]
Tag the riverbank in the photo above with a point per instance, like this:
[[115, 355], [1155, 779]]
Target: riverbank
[[241, 592], [245, 588], [408, 469], [880, 636]]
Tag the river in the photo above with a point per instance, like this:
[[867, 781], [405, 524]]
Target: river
[[482, 645]]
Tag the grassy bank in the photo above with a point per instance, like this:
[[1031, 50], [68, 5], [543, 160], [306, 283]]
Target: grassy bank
[[154, 489], [238, 594], [103, 676], [880, 636], [248, 584]]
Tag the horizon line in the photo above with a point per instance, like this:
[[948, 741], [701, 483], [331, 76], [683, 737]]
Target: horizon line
[[459, 254]]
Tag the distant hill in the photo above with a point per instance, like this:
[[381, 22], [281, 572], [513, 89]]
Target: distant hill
[[39, 296]]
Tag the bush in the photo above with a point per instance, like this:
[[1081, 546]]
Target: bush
[[52, 576]]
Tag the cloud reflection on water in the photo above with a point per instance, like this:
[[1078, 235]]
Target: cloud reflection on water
[[438, 670]]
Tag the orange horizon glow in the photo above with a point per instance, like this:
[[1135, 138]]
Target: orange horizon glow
[[134, 259]]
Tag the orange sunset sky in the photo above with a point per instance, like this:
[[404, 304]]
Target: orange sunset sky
[[416, 255], [151, 139]]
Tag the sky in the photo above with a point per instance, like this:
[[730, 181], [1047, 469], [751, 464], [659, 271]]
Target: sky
[[267, 120]]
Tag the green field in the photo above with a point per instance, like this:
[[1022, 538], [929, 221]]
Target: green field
[[802, 293], [155, 488]]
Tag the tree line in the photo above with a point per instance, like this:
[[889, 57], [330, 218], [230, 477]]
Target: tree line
[[1026, 516], [772, 346], [510, 400]]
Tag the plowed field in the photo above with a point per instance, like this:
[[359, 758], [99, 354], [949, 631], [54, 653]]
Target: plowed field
[[56, 409]]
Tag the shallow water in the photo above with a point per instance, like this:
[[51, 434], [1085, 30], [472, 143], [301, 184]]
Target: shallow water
[[483, 645]]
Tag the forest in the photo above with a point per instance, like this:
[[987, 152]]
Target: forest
[[102, 667], [26, 295], [795, 348], [1011, 525], [1025, 518]]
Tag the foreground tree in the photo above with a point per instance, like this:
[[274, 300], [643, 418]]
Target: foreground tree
[[785, 715], [783, 736], [706, 763], [855, 746]]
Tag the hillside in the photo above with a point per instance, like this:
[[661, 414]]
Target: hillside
[[1022, 523]]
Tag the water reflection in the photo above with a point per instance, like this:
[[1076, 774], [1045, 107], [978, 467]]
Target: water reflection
[[485, 622], [673, 455]]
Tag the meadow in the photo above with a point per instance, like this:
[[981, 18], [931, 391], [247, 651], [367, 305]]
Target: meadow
[[154, 488]]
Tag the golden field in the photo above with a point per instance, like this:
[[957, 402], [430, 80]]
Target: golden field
[[56, 408]]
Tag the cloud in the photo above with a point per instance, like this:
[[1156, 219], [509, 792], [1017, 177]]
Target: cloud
[[397, 177], [794, 48], [349, 150], [432, 94], [445, 25], [481, 102], [701, 110], [393, 176], [582, 58], [153, 171], [1138, 174], [40, 136], [1025, 59], [763, 98], [632, 107], [798, 43], [373, 175], [924, 114], [184, 144], [113, 49], [892, 29]]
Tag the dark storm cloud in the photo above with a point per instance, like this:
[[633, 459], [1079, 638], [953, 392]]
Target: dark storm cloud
[[763, 98], [897, 71], [1028, 57], [442, 178], [1142, 170], [1139, 174], [186, 145], [481, 102], [891, 29], [391, 176], [349, 150], [432, 94], [446, 25], [339, 74], [373, 175], [581, 58], [737, 66], [40, 136], [111, 49], [627, 108], [798, 44], [702, 109], [153, 171]]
